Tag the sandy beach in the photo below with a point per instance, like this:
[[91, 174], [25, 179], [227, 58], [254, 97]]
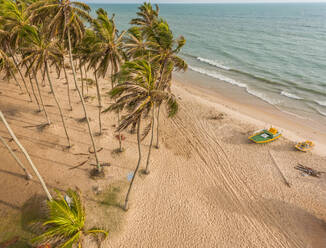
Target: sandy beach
[[208, 186]]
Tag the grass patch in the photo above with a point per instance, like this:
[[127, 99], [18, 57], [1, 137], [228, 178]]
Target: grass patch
[[18, 223], [112, 200]]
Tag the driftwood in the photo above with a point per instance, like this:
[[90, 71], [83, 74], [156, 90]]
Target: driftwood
[[92, 152], [308, 171], [279, 170], [80, 164]]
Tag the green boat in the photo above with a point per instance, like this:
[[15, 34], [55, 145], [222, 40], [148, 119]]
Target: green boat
[[265, 136]]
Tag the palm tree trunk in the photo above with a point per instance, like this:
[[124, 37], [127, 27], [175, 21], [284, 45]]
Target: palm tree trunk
[[28, 176], [27, 156], [21, 75], [68, 87], [33, 91], [137, 167], [13, 75], [119, 133], [151, 142], [86, 79], [41, 99], [57, 102], [99, 102], [43, 78], [81, 78], [83, 103], [157, 127]]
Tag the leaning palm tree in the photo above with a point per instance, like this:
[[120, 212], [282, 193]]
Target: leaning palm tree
[[12, 134], [65, 224], [39, 51], [136, 45], [136, 93], [7, 66], [110, 44], [28, 176], [90, 52], [13, 17], [164, 50], [146, 15], [67, 19]]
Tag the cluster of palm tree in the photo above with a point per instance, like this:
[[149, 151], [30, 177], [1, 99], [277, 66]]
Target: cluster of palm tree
[[37, 37]]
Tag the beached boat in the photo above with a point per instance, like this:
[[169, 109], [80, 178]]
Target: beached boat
[[265, 136], [305, 146]]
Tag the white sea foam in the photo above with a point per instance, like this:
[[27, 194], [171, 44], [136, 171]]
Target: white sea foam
[[290, 95], [321, 112], [218, 76], [321, 103], [263, 96], [214, 63]]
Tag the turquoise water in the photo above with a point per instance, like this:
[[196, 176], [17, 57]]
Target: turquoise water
[[276, 52]]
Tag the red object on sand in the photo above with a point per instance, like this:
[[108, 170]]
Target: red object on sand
[[45, 246], [122, 136]]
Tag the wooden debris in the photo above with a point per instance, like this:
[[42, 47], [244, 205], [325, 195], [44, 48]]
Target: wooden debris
[[92, 151], [308, 171], [279, 170], [220, 116], [80, 164]]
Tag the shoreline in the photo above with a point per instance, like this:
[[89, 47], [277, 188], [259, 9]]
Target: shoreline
[[253, 111]]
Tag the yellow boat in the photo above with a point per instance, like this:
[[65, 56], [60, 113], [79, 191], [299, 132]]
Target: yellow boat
[[305, 146], [265, 136]]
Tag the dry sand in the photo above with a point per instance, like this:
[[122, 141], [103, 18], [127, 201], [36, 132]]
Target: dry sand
[[208, 186]]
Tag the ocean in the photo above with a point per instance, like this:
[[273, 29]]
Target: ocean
[[275, 52]]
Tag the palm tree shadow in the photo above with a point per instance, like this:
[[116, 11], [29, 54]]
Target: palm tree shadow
[[13, 174], [33, 210]]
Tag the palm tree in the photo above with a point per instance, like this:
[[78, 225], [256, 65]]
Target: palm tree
[[39, 51], [110, 44], [8, 67], [137, 93], [12, 134], [27, 174], [146, 15], [62, 65], [160, 46], [41, 98], [136, 45], [164, 51], [65, 224], [67, 19], [13, 17]]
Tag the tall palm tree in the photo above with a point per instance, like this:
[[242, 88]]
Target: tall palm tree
[[165, 49], [162, 47], [8, 67], [90, 52], [12, 134], [41, 98], [67, 20], [136, 93], [38, 51], [13, 17], [110, 43], [146, 15], [63, 66], [12, 153]]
